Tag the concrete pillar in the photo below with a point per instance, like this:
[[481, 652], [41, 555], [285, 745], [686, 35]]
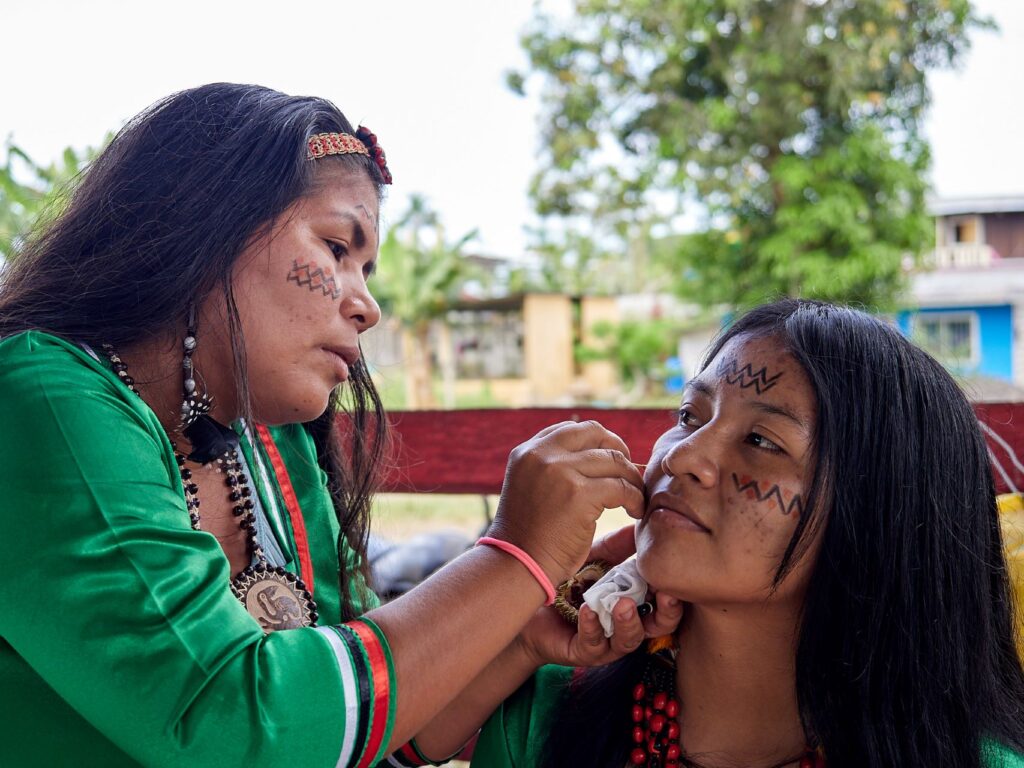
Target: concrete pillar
[[547, 341]]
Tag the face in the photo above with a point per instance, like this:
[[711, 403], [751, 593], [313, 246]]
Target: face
[[303, 299], [726, 485]]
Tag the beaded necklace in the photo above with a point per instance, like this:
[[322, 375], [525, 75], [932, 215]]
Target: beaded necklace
[[275, 597], [655, 715]]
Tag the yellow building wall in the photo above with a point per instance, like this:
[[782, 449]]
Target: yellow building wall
[[547, 342], [600, 376]]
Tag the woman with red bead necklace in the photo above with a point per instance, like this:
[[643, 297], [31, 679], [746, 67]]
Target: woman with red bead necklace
[[825, 510], [183, 523]]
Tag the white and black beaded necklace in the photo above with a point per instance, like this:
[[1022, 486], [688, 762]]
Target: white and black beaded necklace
[[275, 597]]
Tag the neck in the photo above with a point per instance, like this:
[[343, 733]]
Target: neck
[[736, 681], [156, 367]]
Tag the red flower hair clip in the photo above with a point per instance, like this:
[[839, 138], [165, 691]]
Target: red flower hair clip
[[369, 138]]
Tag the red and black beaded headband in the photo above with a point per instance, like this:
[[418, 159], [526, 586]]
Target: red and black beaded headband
[[364, 142]]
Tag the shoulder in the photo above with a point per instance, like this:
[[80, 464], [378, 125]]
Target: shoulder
[[517, 732], [62, 402], [34, 362], [39, 348]]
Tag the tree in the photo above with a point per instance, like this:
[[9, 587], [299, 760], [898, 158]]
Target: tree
[[638, 348], [795, 123], [420, 275], [32, 194]]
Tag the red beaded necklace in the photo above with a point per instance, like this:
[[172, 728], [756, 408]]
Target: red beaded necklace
[[655, 714]]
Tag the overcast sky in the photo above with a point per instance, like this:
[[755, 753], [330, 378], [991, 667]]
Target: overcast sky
[[427, 77]]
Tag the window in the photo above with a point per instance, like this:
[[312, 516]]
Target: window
[[952, 338], [965, 230], [488, 343]]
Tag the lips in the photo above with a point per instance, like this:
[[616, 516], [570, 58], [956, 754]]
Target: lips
[[673, 503], [349, 354], [344, 358]]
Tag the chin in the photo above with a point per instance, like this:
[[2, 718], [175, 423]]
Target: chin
[[648, 568], [305, 407]]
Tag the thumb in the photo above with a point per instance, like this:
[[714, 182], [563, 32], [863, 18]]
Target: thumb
[[615, 547]]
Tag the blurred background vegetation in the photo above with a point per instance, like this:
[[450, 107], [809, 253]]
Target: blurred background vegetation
[[706, 155]]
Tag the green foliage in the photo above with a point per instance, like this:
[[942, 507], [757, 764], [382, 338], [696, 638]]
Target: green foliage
[[638, 348], [795, 123], [419, 273], [32, 195]]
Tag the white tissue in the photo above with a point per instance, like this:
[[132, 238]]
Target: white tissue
[[621, 581]]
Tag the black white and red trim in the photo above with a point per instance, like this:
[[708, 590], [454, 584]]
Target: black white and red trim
[[367, 678]]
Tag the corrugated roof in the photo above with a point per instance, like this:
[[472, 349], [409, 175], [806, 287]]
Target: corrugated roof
[[956, 206]]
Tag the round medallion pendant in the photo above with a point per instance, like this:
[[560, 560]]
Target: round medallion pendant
[[276, 598]]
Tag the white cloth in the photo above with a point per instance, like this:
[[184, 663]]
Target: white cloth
[[621, 581]]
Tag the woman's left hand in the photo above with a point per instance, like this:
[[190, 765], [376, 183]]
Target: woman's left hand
[[550, 639]]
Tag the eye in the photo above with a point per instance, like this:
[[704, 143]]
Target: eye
[[338, 250], [763, 443], [687, 418]]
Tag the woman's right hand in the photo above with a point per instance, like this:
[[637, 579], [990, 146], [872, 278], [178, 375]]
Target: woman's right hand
[[550, 639], [556, 486]]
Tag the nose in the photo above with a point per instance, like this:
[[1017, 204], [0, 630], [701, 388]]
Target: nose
[[694, 458], [362, 308]]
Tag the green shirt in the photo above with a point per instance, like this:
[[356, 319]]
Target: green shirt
[[516, 733], [120, 641]]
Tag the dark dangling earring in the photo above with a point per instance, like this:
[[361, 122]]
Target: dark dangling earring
[[209, 438], [193, 405]]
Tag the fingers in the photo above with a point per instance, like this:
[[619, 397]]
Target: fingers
[[629, 630], [592, 640], [616, 546], [593, 648], [553, 428], [578, 436], [612, 492], [607, 462], [668, 612]]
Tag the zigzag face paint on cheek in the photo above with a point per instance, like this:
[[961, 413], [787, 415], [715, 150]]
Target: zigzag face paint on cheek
[[314, 279], [752, 490]]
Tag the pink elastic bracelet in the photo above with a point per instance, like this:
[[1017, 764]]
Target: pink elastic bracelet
[[525, 559]]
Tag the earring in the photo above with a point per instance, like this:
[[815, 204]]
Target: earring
[[193, 405]]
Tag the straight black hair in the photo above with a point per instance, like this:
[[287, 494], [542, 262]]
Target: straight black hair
[[906, 653], [156, 224]]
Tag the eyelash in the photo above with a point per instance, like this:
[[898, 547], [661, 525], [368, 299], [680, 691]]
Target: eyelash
[[768, 446], [759, 441], [684, 413], [337, 249]]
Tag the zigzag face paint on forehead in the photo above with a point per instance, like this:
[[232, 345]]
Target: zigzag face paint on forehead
[[746, 377]]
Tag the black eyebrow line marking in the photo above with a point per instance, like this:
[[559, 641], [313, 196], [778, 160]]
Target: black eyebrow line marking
[[359, 234], [369, 218], [779, 410]]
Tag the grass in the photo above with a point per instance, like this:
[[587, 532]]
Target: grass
[[399, 516]]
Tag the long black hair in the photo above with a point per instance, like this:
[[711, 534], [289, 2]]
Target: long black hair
[[156, 224], [906, 653]]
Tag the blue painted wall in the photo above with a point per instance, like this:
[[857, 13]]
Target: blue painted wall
[[996, 331]]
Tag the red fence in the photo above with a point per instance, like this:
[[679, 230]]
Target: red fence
[[466, 451]]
